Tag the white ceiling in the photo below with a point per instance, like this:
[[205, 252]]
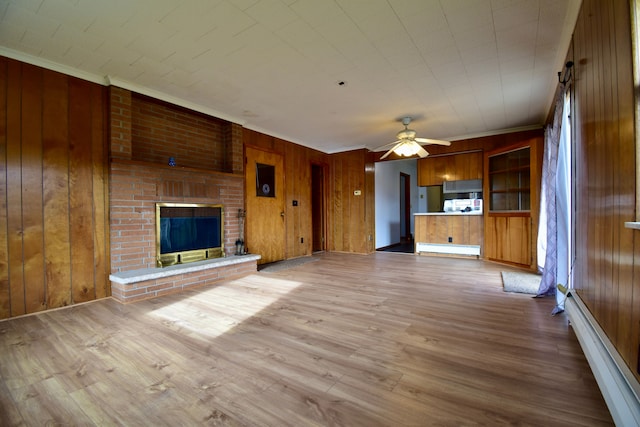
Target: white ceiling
[[461, 68]]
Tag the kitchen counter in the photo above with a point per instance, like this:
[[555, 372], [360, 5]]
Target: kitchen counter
[[449, 233], [448, 213]]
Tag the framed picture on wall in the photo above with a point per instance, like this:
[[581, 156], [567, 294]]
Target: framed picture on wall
[[265, 180]]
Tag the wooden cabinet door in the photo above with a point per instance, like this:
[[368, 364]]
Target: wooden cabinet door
[[511, 228], [434, 170], [509, 239], [466, 166], [426, 172], [472, 165], [465, 229], [451, 167]]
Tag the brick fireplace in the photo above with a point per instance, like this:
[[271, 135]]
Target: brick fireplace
[[144, 134]]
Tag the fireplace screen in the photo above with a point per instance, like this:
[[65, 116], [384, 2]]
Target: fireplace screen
[[188, 232]]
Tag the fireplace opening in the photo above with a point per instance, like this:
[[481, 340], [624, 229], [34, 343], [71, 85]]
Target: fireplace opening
[[188, 232]]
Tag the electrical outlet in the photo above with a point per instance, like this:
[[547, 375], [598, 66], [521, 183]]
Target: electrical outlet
[[302, 240], [450, 239]]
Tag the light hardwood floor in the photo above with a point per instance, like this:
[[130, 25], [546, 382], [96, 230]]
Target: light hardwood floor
[[385, 339]]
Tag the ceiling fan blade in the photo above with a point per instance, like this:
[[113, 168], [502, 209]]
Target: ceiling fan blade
[[432, 141], [397, 144], [387, 153], [386, 145], [422, 153]]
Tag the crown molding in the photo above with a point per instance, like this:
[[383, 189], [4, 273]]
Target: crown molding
[[53, 66]]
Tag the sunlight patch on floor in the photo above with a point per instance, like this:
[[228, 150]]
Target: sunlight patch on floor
[[215, 311]]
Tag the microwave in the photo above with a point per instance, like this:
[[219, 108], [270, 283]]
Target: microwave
[[463, 205]]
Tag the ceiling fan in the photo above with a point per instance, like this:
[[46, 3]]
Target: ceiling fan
[[407, 144]]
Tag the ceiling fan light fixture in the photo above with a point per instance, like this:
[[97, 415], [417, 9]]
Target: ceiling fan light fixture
[[407, 145], [407, 149]]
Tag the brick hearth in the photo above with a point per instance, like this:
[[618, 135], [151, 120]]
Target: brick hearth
[[135, 285]]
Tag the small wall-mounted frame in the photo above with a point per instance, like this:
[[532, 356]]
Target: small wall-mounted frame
[[265, 180]]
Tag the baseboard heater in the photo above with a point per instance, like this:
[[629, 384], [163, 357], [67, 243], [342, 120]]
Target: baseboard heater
[[619, 387], [450, 248]]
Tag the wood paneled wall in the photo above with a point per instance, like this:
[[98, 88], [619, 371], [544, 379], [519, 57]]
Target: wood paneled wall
[[297, 175], [603, 132], [54, 245], [349, 218], [486, 143], [353, 214]]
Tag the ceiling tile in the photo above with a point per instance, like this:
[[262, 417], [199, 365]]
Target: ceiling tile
[[457, 66]]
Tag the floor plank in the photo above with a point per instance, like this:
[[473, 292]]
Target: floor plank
[[385, 339]]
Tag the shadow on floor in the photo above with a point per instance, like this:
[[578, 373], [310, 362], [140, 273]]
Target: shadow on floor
[[405, 247]]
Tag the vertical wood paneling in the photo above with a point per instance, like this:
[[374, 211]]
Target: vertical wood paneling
[[14, 189], [623, 161], [32, 220], [54, 181], [370, 207], [100, 192], [579, 130], [352, 215], [5, 302], [297, 165], [55, 164], [336, 200], [463, 229], [603, 111], [80, 191], [608, 111]]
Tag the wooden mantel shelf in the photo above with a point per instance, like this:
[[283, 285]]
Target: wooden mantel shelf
[[116, 160]]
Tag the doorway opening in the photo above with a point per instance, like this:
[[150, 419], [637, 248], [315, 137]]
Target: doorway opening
[[405, 208], [318, 208]]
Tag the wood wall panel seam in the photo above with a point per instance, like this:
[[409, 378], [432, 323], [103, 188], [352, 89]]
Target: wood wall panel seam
[[36, 168]]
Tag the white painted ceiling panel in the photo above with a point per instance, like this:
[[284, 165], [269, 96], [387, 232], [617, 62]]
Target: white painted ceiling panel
[[459, 67]]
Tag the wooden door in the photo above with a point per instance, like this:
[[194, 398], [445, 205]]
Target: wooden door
[[512, 184], [265, 218]]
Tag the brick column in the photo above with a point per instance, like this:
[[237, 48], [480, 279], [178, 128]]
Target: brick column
[[120, 123]]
